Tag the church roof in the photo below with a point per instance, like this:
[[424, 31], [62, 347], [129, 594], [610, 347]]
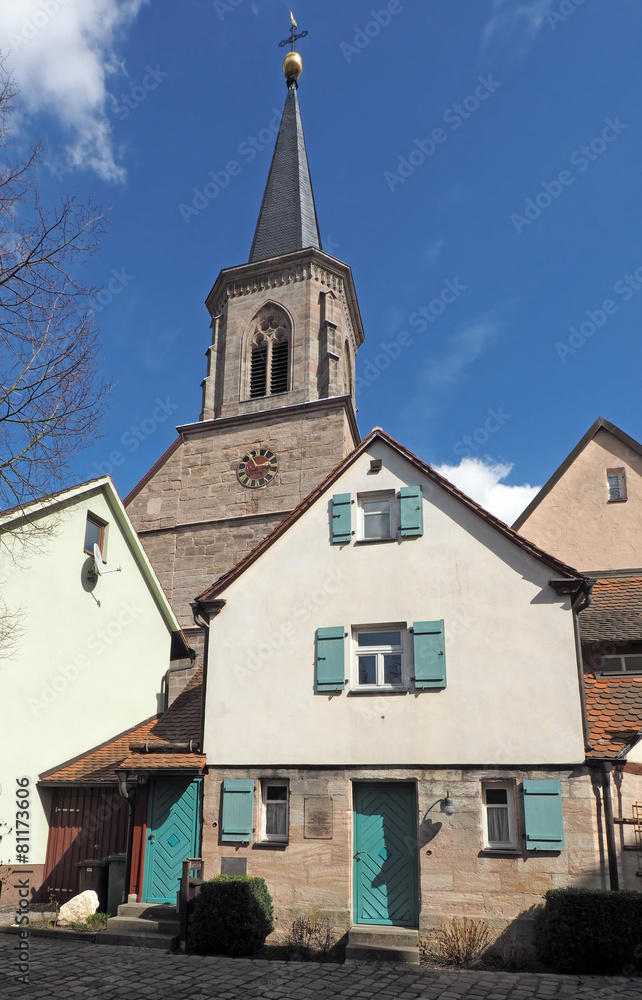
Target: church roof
[[288, 218]]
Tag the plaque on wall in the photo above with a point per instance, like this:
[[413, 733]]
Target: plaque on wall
[[233, 866], [317, 811]]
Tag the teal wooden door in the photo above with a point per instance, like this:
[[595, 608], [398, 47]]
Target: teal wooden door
[[385, 849], [173, 819]]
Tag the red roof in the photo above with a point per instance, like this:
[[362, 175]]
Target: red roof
[[614, 709], [179, 724]]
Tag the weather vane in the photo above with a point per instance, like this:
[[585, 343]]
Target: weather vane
[[293, 63], [293, 35]]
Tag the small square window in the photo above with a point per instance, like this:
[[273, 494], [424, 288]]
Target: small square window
[[380, 658], [94, 534], [498, 806], [275, 803], [376, 517], [616, 483]]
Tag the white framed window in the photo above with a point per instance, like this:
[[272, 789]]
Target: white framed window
[[377, 516], [275, 801], [379, 658], [628, 663], [498, 815], [616, 483]]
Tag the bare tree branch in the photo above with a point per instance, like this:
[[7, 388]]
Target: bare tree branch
[[51, 398]]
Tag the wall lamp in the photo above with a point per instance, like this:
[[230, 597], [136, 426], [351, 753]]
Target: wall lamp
[[446, 805]]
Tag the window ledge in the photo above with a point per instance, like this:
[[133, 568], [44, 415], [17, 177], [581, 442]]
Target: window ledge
[[373, 541], [502, 852], [623, 673], [377, 690], [270, 845]]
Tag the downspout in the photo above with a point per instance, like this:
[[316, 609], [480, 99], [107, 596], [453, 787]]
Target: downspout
[[128, 794], [203, 612], [610, 826], [580, 601]]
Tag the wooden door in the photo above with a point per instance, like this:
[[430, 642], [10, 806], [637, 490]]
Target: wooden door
[[385, 854], [173, 822]]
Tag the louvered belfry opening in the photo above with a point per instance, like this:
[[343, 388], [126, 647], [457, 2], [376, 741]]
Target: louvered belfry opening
[[269, 360], [279, 373], [258, 371]]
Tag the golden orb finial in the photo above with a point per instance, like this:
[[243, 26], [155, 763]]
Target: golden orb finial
[[293, 63], [292, 66]]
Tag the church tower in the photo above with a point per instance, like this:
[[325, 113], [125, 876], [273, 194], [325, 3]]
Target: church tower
[[278, 400]]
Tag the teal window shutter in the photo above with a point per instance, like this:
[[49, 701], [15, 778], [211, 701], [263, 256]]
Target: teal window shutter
[[237, 823], [411, 511], [331, 671], [543, 816], [341, 515], [429, 654]]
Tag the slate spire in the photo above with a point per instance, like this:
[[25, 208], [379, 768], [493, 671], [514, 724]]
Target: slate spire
[[288, 218]]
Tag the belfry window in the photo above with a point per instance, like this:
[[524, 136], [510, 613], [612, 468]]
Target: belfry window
[[269, 355], [258, 372]]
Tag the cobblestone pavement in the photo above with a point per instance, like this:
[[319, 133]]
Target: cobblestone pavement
[[62, 970]]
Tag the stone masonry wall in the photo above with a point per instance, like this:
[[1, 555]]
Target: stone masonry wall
[[457, 877], [196, 520]]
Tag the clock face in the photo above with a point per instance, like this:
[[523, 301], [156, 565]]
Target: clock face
[[257, 468]]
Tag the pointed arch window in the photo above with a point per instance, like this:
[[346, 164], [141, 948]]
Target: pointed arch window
[[269, 360]]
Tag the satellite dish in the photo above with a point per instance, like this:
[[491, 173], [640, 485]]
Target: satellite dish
[[100, 566]]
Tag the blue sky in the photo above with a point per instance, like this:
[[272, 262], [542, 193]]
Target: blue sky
[[476, 162]]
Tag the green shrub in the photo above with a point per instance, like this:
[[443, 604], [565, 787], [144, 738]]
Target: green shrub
[[590, 930], [233, 915]]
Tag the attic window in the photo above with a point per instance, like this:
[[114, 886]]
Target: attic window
[[616, 482], [94, 534], [627, 664]]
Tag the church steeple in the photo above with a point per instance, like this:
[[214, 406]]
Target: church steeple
[[288, 218]]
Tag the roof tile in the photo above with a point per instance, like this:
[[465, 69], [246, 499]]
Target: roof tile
[[179, 724]]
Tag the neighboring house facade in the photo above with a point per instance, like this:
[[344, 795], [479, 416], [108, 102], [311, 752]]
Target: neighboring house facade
[[589, 513], [389, 651], [86, 658], [611, 632], [149, 781]]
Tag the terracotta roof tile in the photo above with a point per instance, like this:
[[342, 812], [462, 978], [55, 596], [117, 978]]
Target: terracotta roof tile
[[163, 761], [179, 724], [615, 611], [614, 709]]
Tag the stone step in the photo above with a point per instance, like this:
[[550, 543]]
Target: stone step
[[383, 944], [141, 925], [149, 911], [167, 942]]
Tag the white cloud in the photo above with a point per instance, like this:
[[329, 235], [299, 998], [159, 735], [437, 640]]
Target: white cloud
[[482, 481], [514, 25], [61, 53]]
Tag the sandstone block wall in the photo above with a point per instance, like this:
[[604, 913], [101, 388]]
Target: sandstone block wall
[[196, 520], [457, 877]]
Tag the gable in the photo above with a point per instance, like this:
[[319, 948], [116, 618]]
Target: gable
[[507, 634], [574, 517]]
